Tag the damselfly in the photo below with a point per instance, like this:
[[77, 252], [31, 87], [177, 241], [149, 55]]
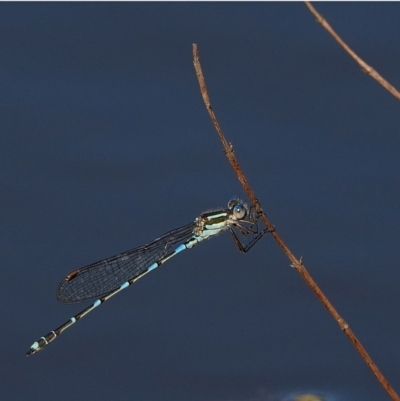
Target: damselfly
[[104, 279]]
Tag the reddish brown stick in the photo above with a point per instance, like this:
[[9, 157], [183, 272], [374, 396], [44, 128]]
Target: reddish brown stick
[[296, 263], [365, 67]]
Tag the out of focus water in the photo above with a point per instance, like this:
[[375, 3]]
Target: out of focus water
[[106, 145]]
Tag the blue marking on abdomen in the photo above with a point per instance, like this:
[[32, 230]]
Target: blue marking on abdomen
[[124, 285], [152, 267], [180, 248]]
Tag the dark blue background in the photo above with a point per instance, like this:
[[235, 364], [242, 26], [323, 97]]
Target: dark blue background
[[106, 144]]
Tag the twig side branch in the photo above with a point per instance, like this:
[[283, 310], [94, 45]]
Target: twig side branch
[[297, 264], [365, 67]]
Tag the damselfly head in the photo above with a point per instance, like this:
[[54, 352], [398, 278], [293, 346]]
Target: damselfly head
[[238, 209]]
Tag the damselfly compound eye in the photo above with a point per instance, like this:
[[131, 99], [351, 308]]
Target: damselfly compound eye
[[239, 211]]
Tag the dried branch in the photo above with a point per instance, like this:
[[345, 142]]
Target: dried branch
[[365, 67], [296, 263]]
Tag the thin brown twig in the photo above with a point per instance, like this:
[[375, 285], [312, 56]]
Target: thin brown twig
[[297, 264], [365, 67]]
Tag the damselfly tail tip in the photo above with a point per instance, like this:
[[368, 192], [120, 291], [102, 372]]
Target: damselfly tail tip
[[41, 343], [32, 350]]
